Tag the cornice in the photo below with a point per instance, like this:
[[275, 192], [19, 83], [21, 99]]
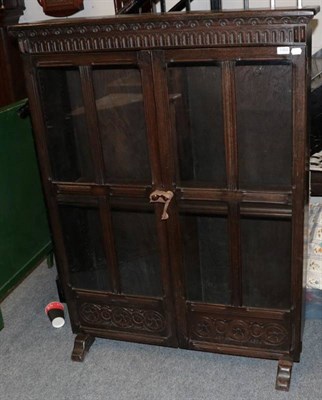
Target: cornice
[[164, 31]]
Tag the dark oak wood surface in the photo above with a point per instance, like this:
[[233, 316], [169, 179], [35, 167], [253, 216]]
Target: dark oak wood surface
[[173, 151], [11, 69]]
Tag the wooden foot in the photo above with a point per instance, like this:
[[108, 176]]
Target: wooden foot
[[284, 373], [82, 345]]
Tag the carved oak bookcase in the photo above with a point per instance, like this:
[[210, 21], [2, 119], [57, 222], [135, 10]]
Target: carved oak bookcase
[[173, 151]]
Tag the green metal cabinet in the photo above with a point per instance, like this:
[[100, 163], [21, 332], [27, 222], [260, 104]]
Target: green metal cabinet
[[24, 234]]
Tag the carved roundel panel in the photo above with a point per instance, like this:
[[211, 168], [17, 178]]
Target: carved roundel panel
[[241, 332], [122, 318]]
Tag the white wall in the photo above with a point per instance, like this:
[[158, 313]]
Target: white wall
[[317, 27], [34, 12]]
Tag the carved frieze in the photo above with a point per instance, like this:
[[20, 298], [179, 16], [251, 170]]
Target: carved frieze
[[240, 332], [187, 31], [122, 318]]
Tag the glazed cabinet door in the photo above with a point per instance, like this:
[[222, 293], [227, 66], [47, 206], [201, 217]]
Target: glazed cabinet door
[[236, 166], [100, 139]]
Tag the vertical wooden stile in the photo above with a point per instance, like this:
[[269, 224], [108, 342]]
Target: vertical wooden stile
[[229, 109]]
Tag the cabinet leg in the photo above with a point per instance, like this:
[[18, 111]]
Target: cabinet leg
[[82, 345], [284, 373]]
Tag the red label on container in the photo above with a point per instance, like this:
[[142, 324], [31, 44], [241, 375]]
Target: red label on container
[[54, 306]]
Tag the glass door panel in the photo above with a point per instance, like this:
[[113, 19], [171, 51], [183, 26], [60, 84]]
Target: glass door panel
[[206, 258], [264, 124], [121, 117], [266, 262], [66, 131], [87, 263], [137, 252], [195, 97]]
